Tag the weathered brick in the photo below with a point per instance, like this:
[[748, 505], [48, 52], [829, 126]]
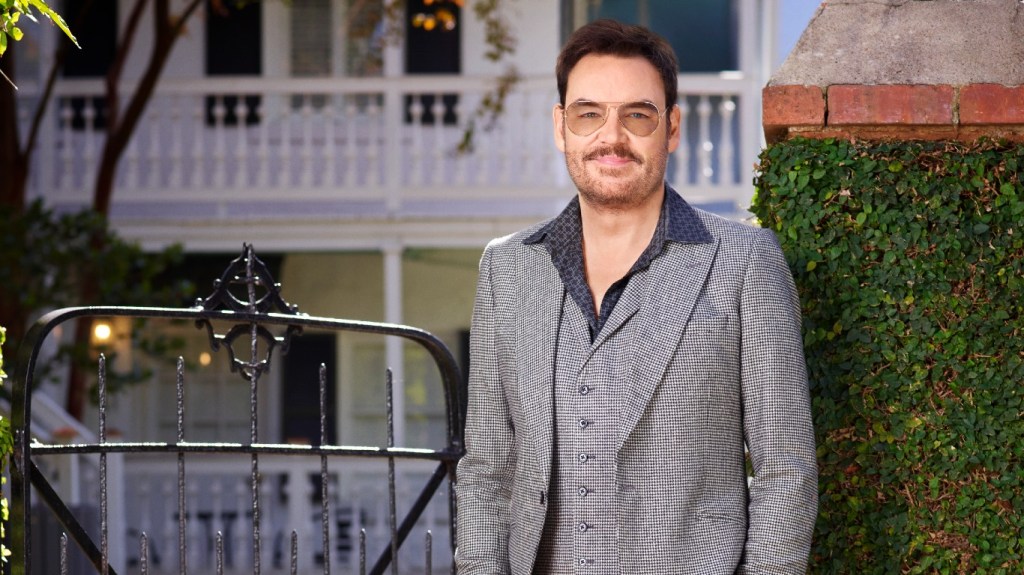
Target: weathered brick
[[907, 105], [991, 104], [791, 106]]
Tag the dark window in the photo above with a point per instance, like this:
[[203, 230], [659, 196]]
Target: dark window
[[300, 388], [433, 45], [95, 27], [704, 33], [234, 48]]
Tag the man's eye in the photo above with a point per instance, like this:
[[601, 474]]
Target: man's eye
[[589, 115]]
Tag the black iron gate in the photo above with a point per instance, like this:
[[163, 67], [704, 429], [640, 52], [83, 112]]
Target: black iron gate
[[262, 323]]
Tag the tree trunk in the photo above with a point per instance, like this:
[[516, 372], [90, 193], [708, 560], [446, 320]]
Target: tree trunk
[[13, 171]]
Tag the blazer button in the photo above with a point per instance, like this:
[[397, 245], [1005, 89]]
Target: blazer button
[[584, 423], [584, 389], [584, 527]]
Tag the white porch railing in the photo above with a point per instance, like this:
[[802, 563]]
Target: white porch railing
[[358, 146], [218, 500]]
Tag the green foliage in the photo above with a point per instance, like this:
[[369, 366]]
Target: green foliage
[[46, 257], [6, 449], [909, 260], [11, 12]]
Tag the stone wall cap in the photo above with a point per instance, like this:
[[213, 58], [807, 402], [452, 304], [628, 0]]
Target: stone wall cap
[[951, 42]]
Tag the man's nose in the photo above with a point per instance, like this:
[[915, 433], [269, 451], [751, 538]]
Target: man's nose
[[612, 131]]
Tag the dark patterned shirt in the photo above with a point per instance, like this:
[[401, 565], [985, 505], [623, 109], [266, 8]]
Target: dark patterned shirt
[[563, 235]]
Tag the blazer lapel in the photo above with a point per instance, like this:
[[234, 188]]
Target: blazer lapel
[[540, 299], [676, 279]]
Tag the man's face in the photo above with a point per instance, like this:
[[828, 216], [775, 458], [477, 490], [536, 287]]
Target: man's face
[[612, 167]]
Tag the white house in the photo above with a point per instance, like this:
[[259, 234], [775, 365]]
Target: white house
[[301, 128]]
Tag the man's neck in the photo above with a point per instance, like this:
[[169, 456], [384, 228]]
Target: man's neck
[[611, 226], [613, 240]]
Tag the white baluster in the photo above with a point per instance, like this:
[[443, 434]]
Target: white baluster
[[197, 175], [504, 140], [351, 132], [527, 166], [240, 173], [416, 110], [263, 155], [177, 144], [219, 118], [89, 150], [194, 536], [67, 116], [706, 145], [462, 159], [373, 159], [242, 533], [283, 175], [725, 156], [306, 173], [267, 524], [437, 169], [217, 520], [130, 173], [329, 148], [153, 165], [169, 545], [682, 153]]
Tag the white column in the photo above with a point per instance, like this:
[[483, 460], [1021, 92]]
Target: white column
[[753, 20], [394, 67], [393, 345]]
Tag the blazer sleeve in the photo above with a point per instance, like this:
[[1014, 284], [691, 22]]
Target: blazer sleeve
[[485, 471], [777, 417]]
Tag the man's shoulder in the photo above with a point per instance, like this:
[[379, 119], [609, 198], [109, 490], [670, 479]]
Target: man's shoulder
[[514, 242], [730, 231]]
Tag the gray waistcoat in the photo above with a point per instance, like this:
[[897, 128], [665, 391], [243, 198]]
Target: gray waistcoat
[[591, 379]]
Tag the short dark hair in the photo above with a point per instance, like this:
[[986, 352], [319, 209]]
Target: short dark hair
[[611, 38]]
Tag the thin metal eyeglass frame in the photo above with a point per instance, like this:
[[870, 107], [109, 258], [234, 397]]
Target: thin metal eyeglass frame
[[607, 113]]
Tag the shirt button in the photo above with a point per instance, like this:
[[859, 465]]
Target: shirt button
[[584, 389], [583, 491], [583, 527], [584, 423], [584, 458]]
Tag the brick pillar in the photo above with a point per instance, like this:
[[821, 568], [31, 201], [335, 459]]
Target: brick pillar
[[894, 111], [935, 70]]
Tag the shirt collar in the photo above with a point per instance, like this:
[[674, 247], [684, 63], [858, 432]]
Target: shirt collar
[[679, 220]]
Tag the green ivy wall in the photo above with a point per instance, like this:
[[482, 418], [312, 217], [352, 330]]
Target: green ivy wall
[[909, 259]]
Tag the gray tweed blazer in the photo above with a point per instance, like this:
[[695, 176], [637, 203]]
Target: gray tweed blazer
[[718, 364]]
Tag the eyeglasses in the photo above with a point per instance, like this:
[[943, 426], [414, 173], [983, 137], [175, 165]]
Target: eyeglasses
[[584, 117]]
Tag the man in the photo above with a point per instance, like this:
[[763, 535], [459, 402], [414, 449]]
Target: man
[[624, 352]]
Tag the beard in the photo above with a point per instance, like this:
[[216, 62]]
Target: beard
[[606, 188]]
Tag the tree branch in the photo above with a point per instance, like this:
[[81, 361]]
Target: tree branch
[[117, 66]]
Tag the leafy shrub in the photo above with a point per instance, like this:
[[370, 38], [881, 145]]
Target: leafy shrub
[[909, 260], [6, 449]]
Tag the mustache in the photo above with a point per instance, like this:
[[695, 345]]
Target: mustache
[[620, 150]]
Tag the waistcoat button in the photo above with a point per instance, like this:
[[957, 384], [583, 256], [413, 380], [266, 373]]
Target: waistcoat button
[[583, 527], [583, 491], [584, 389], [583, 458]]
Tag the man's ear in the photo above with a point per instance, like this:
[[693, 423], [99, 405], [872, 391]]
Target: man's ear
[[675, 117], [558, 120]]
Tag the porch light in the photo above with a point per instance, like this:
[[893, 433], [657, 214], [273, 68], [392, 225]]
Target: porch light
[[205, 358], [441, 18], [101, 332]]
